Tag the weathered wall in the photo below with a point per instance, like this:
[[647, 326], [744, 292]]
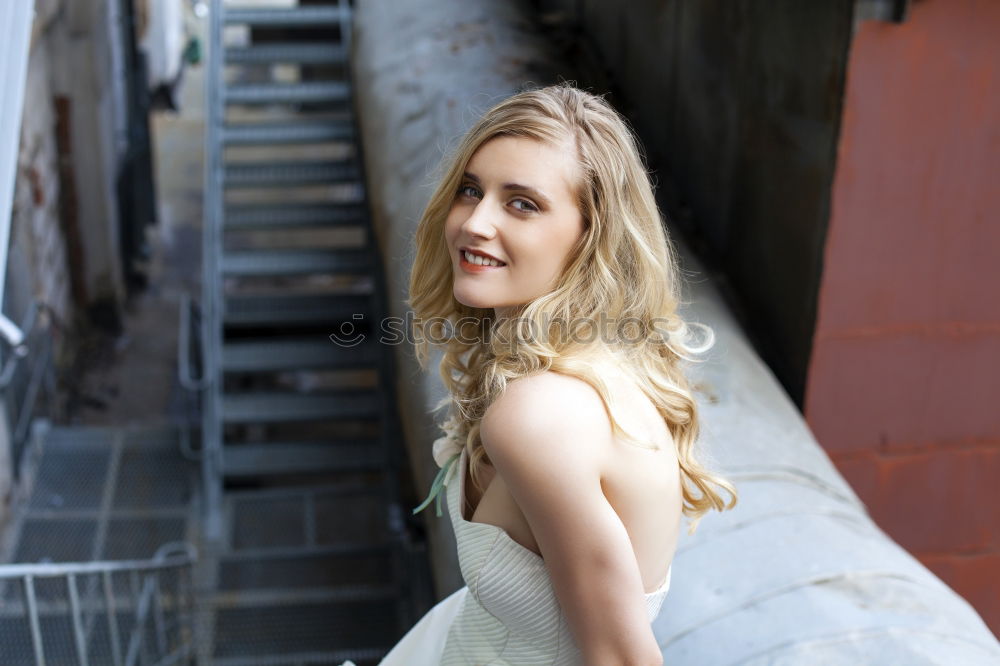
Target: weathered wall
[[86, 78], [903, 385], [738, 102], [423, 72], [797, 573], [38, 244]]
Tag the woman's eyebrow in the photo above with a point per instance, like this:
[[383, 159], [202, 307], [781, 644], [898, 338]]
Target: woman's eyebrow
[[513, 186]]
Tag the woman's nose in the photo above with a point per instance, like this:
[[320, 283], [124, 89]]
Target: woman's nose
[[480, 222]]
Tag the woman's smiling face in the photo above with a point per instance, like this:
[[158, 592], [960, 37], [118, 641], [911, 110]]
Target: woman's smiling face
[[517, 204]]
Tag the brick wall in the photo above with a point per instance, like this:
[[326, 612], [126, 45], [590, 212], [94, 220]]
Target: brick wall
[[36, 233], [903, 385]]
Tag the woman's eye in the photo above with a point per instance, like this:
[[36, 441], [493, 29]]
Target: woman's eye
[[468, 190], [529, 207]]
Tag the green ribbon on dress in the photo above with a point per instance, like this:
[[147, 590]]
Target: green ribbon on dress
[[436, 487]]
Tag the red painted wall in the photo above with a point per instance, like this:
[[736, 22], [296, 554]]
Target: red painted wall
[[904, 379]]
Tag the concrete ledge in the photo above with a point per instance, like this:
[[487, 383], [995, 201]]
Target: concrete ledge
[[423, 73], [798, 572]]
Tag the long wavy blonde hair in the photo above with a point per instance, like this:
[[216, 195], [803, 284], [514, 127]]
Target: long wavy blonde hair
[[623, 269]]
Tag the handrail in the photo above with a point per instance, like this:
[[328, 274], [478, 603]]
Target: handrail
[[184, 349], [10, 333], [13, 337], [16, 340], [55, 569]]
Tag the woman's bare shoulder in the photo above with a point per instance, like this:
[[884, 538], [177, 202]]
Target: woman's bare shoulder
[[544, 382], [544, 404]]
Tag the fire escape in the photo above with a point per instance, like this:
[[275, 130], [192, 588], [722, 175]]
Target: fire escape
[[271, 533]]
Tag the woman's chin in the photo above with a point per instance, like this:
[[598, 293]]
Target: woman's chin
[[473, 300]]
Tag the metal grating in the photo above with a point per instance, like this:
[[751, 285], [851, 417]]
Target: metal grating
[[302, 628], [306, 570], [154, 477], [71, 477], [139, 538], [352, 519], [56, 540], [57, 632], [269, 523]]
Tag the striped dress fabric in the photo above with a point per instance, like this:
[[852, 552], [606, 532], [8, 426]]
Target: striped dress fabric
[[509, 613]]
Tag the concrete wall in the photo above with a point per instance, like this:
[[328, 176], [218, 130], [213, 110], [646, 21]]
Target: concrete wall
[[739, 103], [798, 573], [903, 383], [86, 77], [414, 101], [38, 243]]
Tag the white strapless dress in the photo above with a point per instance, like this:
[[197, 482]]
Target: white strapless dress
[[506, 614]]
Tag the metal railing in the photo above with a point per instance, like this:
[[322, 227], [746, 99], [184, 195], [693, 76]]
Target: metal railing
[[124, 613], [212, 286], [191, 372], [27, 370]]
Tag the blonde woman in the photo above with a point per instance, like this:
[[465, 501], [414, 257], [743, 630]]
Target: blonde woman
[[544, 273]]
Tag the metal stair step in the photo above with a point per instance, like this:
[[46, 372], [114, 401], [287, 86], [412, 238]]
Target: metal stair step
[[286, 17], [360, 656], [282, 174], [271, 459], [312, 54], [283, 407], [342, 594], [292, 553], [293, 215], [319, 353], [245, 263], [255, 134], [299, 492], [281, 309], [286, 93]]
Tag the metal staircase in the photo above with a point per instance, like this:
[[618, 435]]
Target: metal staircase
[[305, 559]]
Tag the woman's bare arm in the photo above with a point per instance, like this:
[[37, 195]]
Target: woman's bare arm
[[548, 437]]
